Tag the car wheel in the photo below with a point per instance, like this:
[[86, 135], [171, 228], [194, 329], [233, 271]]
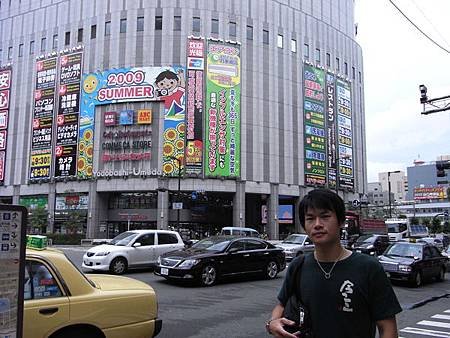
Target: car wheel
[[118, 266], [271, 270], [417, 281], [78, 331], [441, 275], [208, 275]]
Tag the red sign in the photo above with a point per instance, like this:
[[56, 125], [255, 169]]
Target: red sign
[[110, 118]]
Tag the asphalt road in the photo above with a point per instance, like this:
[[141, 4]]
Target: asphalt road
[[239, 308]]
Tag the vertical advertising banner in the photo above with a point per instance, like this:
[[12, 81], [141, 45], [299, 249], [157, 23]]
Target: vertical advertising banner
[[331, 132], [314, 124], [5, 91], [345, 135], [67, 117], [194, 105], [223, 110], [44, 104]]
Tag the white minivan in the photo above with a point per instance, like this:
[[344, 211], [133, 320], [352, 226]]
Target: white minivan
[[132, 249], [239, 231]]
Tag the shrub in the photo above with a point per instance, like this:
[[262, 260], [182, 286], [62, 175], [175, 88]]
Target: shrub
[[66, 239]]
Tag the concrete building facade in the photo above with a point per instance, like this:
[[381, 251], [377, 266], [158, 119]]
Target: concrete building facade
[[292, 63]]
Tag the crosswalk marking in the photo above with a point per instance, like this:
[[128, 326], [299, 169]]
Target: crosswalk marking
[[433, 323], [446, 317], [424, 332]]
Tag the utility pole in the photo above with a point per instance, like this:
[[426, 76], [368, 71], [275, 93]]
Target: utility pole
[[179, 186], [389, 190]]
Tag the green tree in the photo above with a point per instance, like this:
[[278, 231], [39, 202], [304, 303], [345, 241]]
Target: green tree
[[435, 226], [74, 222], [38, 218]]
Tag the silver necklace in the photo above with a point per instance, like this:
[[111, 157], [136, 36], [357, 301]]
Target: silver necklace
[[328, 274]]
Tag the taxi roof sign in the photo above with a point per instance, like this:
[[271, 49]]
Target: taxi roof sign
[[38, 242]]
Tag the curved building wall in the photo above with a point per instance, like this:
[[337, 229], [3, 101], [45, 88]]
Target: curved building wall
[[276, 37]]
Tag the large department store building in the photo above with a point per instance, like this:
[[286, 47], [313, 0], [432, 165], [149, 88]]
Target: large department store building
[[189, 114]]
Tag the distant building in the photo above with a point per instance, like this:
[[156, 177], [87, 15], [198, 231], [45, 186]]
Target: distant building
[[399, 184], [376, 195]]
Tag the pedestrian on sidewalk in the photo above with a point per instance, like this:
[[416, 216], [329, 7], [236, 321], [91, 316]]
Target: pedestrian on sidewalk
[[343, 294]]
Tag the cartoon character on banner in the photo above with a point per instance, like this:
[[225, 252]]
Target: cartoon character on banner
[[171, 88]]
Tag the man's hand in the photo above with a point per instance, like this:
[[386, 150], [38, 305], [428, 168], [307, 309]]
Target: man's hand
[[276, 328]]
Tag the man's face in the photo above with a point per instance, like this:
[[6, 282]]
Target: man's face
[[322, 226]]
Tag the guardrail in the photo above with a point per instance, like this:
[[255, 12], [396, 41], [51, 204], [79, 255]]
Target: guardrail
[[94, 241]]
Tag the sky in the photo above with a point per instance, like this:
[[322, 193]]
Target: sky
[[397, 59]]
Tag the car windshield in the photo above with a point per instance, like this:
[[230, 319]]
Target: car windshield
[[294, 239], [404, 250], [212, 244], [124, 238], [366, 239]]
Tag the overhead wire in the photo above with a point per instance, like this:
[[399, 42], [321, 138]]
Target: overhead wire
[[418, 28]]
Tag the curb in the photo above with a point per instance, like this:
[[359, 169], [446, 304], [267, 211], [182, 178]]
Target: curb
[[425, 301]]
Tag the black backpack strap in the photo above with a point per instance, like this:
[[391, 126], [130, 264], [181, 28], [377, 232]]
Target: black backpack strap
[[296, 273]]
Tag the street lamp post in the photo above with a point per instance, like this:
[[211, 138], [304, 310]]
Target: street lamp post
[[178, 194], [389, 190]]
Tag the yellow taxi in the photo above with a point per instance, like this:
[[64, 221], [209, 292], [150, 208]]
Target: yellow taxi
[[62, 302]]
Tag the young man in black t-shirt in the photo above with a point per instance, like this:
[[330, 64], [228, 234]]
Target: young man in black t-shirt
[[346, 294]]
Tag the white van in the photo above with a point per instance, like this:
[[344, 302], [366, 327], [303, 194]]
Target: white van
[[239, 231]]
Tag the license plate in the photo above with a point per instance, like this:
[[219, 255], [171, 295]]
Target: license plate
[[164, 271], [359, 251]]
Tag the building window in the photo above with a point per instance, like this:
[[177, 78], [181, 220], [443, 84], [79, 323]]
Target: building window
[[140, 24], [158, 23], [123, 25], [317, 55], [338, 64], [55, 41], [328, 60], [293, 46], [107, 28], [346, 68], [249, 32], [80, 35], [280, 41], [43, 43], [177, 23], [215, 26], [196, 24], [265, 37], [93, 31], [353, 73], [306, 51], [31, 47], [232, 28], [67, 39], [10, 51], [21, 50]]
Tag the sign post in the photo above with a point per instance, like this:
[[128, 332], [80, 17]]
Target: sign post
[[13, 220]]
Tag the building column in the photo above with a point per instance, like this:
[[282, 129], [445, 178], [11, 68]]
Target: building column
[[272, 213], [239, 205], [162, 217], [93, 205], [51, 200]]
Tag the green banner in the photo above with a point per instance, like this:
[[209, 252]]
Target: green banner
[[223, 110], [33, 202]]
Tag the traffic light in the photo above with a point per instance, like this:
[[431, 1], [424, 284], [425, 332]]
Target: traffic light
[[423, 94]]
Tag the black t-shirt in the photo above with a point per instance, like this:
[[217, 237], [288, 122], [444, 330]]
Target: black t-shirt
[[349, 303]]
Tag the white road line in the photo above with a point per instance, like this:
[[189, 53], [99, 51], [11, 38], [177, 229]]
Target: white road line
[[447, 311], [423, 332], [437, 324], [441, 317]]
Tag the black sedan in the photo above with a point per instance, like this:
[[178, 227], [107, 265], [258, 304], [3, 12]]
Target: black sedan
[[371, 244], [220, 256], [413, 262]]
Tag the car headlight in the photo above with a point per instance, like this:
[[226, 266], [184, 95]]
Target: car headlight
[[103, 253], [404, 268], [188, 263], [370, 247], [158, 261]]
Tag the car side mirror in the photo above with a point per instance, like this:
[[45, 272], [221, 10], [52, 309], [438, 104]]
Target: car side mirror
[[137, 245]]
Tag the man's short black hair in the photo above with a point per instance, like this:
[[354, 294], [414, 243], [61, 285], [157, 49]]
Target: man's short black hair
[[322, 199]]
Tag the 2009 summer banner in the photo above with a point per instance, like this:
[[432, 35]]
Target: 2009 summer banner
[[223, 110]]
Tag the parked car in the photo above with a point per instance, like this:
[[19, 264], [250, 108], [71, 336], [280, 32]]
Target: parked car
[[219, 256], [434, 241], [132, 249], [295, 245], [371, 244], [62, 302], [239, 231], [413, 262]]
